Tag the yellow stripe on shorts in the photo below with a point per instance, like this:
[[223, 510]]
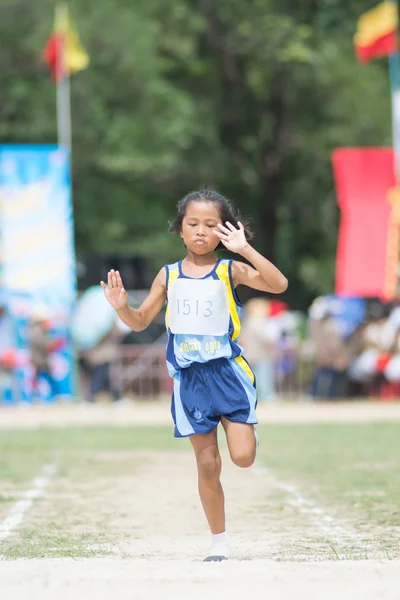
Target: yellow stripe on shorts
[[245, 366]]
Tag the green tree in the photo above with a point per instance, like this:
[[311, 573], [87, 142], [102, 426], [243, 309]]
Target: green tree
[[248, 96]]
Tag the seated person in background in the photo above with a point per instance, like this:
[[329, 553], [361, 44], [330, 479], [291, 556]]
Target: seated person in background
[[377, 344], [391, 370]]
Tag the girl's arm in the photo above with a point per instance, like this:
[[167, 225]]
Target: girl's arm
[[263, 275], [135, 318]]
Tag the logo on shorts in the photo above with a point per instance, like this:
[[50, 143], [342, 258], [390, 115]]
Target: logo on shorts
[[198, 415]]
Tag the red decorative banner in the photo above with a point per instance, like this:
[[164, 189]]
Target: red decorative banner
[[368, 248]]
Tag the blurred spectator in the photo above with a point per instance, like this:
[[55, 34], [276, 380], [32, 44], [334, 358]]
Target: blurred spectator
[[41, 346], [331, 355], [259, 338], [7, 355], [392, 369], [289, 346], [6, 331], [96, 363], [378, 340], [287, 362]]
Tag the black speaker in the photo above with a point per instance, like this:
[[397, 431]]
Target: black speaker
[[135, 270]]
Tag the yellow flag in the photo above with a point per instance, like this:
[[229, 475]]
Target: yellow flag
[[75, 56], [63, 52], [377, 31]]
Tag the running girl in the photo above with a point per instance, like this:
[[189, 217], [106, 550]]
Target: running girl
[[213, 383]]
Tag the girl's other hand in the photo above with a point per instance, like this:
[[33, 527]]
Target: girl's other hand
[[114, 291]]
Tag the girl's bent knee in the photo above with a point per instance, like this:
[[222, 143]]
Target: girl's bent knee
[[243, 460]]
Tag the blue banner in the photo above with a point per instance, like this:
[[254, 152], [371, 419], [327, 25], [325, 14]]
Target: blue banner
[[37, 232], [38, 258]]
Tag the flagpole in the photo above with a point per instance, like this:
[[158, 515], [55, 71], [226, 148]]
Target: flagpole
[[393, 250], [63, 87], [64, 132], [394, 69]]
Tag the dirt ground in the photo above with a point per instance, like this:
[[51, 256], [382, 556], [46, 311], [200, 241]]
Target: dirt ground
[[161, 536], [160, 579], [158, 413]]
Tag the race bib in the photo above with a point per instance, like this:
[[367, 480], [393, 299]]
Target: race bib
[[198, 307]]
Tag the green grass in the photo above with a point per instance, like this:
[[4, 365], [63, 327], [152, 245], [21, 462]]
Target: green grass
[[23, 453], [351, 471], [33, 544], [350, 468], [46, 439]]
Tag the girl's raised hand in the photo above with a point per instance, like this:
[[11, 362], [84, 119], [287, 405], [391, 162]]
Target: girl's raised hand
[[233, 239], [115, 291]]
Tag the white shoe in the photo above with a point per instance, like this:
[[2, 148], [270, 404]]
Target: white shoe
[[219, 549], [217, 554]]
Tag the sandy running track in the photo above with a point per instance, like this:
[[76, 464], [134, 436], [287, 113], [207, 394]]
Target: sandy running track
[[128, 413], [161, 537], [102, 579]]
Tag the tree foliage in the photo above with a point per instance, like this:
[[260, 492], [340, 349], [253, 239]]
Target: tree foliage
[[251, 97]]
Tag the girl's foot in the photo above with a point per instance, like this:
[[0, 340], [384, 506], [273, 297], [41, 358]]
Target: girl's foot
[[219, 548]]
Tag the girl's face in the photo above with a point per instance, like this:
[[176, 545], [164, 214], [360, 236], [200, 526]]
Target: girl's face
[[198, 226]]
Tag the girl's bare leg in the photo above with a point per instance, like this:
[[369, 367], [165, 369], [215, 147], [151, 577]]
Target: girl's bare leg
[[211, 493], [209, 470], [241, 442]]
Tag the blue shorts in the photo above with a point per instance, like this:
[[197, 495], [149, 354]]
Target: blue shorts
[[205, 392]]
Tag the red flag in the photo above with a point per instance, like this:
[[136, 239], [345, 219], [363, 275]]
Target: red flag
[[376, 34], [367, 252], [52, 56], [64, 53]]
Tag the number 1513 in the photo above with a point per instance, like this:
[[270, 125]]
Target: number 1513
[[194, 308]]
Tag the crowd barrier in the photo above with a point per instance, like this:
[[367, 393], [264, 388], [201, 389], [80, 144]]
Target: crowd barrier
[[140, 371]]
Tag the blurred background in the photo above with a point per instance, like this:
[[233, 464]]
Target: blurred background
[[112, 112]]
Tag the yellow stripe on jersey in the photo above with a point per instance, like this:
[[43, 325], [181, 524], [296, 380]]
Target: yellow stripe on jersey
[[222, 272], [173, 275], [245, 366]]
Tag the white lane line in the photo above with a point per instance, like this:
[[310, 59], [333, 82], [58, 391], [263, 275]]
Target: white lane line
[[17, 512], [316, 515]]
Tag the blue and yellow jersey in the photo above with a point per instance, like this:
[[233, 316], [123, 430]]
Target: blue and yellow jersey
[[184, 350]]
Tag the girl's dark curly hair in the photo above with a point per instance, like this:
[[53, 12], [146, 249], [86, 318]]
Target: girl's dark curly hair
[[226, 210]]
